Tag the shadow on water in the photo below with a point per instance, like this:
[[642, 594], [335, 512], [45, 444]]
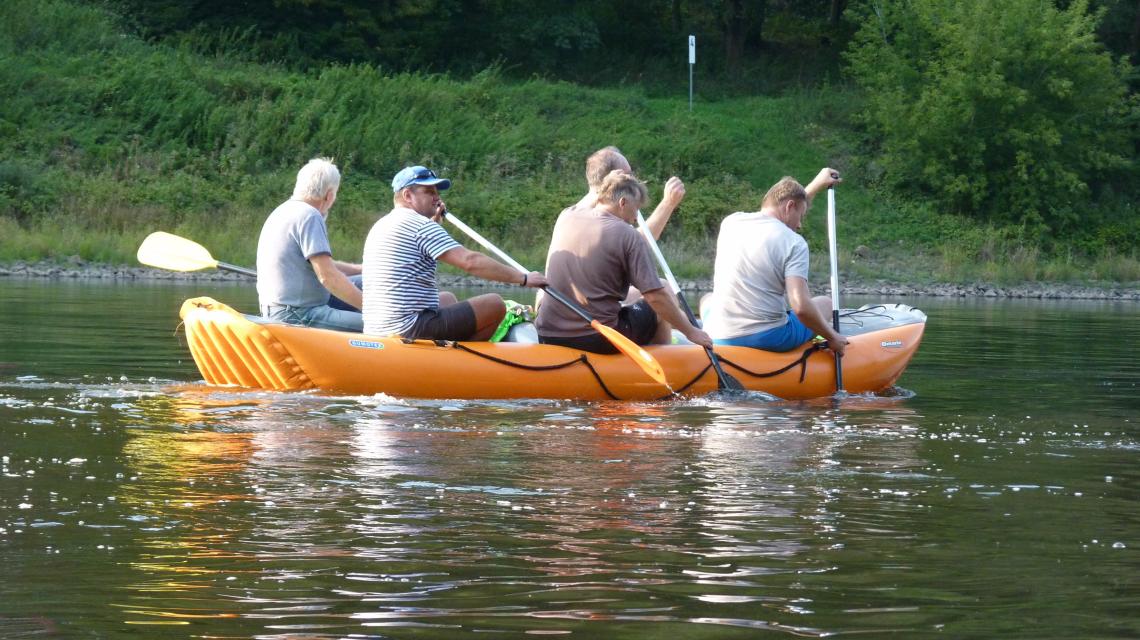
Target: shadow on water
[[963, 504]]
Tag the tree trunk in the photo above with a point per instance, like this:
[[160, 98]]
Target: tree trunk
[[837, 7], [1136, 35], [734, 30]]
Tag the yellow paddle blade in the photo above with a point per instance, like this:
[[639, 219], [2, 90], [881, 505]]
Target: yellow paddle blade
[[642, 357], [174, 253]]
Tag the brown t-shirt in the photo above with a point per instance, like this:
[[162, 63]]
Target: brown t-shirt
[[594, 257]]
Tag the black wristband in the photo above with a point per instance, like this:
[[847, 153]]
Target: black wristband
[[524, 279]]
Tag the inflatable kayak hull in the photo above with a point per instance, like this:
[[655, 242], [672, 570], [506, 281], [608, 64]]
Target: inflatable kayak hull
[[246, 351]]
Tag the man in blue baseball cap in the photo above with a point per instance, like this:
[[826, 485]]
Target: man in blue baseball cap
[[409, 176], [400, 256]]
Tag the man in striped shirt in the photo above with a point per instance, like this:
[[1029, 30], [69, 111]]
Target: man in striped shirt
[[400, 255]]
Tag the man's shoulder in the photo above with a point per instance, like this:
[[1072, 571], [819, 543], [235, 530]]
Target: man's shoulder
[[295, 209], [401, 218], [295, 218], [745, 217], [613, 227], [405, 226], [575, 211]]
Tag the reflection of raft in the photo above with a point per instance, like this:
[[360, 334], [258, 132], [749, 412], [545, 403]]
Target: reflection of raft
[[234, 349]]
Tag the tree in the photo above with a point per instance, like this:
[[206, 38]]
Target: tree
[[1008, 110], [743, 25], [836, 12]]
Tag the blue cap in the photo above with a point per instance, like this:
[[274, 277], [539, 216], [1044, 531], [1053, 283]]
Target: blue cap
[[418, 175]]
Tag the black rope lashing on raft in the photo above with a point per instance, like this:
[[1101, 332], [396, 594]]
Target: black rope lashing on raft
[[536, 367], [582, 359], [801, 362]]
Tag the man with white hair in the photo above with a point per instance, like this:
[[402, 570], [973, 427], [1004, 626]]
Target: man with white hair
[[295, 268]]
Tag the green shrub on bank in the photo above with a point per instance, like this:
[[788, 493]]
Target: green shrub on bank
[[1009, 111]]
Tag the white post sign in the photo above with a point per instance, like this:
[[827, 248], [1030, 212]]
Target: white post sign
[[692, 61]]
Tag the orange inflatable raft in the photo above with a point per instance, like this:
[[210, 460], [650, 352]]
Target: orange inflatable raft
[[234, 349]]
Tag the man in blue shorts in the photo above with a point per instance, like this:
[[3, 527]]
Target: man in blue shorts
[[762, 268], [401, 296], [295, 268]]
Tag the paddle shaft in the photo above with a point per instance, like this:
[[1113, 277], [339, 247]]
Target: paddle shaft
[[622, 343], [553, 293], [724, 381], [474, 235], [831, 240], [225, 266]]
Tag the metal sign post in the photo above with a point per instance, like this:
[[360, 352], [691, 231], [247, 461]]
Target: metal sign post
[[692, 61]]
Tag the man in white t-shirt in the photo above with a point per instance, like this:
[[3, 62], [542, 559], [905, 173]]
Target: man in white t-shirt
[[400, 256], [295, 268], [762, 268]]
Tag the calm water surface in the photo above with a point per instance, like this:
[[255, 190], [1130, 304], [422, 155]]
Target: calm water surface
[[993, 494]]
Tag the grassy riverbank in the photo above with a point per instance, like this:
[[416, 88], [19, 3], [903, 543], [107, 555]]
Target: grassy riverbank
[[106, 138]]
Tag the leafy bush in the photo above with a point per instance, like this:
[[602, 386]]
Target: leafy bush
[[22, 191], [1005, 110], [31, 24]]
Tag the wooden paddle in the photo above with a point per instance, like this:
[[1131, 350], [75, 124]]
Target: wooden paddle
[[723, 380], [643, 358], [175, 253]]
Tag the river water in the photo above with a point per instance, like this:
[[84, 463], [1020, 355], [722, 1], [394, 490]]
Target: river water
[[994, 493]]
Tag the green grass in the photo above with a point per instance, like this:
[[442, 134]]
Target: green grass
[[106, 138]]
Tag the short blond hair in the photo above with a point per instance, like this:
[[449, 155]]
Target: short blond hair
[[786, 189], [618, 185], [601, 163], [316, 179]]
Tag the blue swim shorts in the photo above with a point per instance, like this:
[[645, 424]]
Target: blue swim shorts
[[785, 338]]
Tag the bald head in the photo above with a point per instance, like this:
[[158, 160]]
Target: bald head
[[603, 162]]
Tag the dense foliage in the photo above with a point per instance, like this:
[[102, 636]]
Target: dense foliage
[[572, 39], [111, 134], [105, 136], [1009, 110]]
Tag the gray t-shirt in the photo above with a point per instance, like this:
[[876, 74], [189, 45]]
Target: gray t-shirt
[[755, 255], [594, 257], [292, 234]]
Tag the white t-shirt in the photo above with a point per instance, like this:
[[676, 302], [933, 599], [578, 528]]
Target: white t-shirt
[[400, 256], [755, 255]]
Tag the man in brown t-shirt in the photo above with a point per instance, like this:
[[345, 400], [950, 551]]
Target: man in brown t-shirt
[[595, 255]]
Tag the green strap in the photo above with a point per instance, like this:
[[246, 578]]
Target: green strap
[[516, 314]]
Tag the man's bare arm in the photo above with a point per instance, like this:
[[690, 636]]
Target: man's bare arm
[[335, 281]]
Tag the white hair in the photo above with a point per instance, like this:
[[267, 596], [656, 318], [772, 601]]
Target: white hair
[[316, 179]]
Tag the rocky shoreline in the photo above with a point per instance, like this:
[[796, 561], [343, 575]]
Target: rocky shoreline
[[77, 269]]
